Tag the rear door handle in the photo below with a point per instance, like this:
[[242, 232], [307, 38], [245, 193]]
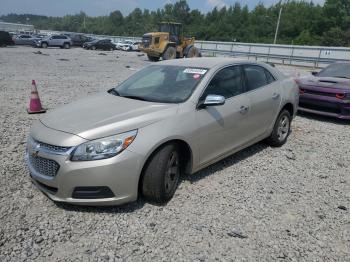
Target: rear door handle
[[243, 109], [275, 95]]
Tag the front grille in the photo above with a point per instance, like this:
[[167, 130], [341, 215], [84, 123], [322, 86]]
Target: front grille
[[313, 92], [44, 166], [53, 148]]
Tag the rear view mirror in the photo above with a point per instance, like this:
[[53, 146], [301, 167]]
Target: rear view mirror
[[212, 100], [314, 73]]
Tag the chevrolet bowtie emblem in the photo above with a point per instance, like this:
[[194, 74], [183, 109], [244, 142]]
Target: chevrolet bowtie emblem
[[35, 153]]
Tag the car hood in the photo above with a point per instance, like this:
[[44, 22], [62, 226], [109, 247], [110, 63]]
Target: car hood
[[105, 114], [327, 82]]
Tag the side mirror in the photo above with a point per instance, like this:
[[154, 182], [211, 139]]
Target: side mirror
[[314, 73], [212, 100]]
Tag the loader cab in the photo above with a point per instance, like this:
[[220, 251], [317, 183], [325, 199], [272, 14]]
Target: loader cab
[[174, 30]]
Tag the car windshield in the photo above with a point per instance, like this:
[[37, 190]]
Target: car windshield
[[163, 84], [336, 70]]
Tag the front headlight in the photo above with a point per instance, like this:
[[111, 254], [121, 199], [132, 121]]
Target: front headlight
[[104, 147]]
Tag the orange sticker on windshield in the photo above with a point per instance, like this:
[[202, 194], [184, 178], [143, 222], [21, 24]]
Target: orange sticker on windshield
[[196, 76]]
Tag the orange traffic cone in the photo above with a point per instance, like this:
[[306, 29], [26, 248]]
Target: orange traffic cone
[[35, 104]]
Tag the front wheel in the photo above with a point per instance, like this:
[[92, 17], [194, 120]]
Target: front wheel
[[44, 45], [162, 174], [153, 58], [193, 52], [280, 130], [93, 47], [170, 53]]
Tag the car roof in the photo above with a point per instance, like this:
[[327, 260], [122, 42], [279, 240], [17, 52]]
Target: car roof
[[206, 62]]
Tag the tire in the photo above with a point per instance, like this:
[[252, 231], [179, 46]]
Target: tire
[[162, 174], [170, 53], [44, 45], [93, 47], [153, 58], [280, 130], [111, 49], [66, 45], [193, 52]]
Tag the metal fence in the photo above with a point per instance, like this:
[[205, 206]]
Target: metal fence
[[12, 27], [314, 56]]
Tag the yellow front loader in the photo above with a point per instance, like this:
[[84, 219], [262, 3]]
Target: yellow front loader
[[168, 43]]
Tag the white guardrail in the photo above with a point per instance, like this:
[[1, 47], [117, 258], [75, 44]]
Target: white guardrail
[[314, 56]]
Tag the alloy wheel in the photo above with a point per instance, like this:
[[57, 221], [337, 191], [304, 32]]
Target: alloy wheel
[[283, 128], [172, 172]]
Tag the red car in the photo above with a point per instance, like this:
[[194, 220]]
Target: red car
[[327, 92]]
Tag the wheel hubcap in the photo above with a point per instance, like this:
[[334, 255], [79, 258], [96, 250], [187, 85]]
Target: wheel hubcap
[[172, 172], [283, 128]]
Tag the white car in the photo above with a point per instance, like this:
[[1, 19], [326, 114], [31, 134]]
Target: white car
[[128, 45]]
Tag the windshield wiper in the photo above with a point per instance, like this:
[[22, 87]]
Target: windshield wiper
[[135, 97], [113, 92]]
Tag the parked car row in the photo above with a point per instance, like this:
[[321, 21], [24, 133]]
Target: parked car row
[[66, 41]]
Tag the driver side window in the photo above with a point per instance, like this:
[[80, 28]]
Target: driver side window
[[227, 83]]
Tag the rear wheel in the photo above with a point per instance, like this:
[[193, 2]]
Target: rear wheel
[[93, 47], [44, 45], [153, 58], [66, 46], [193, 52], [111, 49], [170, 53], [162, 174], [280, 130]]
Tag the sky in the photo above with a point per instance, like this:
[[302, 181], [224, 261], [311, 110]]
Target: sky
[[104, 7]]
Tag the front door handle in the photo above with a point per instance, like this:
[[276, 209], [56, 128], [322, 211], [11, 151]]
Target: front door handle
[[275, 95], [243, 109]]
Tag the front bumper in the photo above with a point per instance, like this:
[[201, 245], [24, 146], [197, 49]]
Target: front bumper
[[324, 105], [151, 51], [119, 174]]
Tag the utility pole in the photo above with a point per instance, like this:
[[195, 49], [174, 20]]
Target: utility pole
[[278, 23]]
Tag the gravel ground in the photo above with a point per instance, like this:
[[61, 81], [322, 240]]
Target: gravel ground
[[262, 204]]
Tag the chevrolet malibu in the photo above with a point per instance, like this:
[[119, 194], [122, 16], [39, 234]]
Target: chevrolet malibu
[[171, 118]]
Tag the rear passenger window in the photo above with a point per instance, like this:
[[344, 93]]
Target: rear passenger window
[[227, 83], [255, 77], [270, 77]]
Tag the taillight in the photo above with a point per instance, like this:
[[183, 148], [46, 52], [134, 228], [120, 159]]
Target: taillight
[[301, 91], [340, 96]]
